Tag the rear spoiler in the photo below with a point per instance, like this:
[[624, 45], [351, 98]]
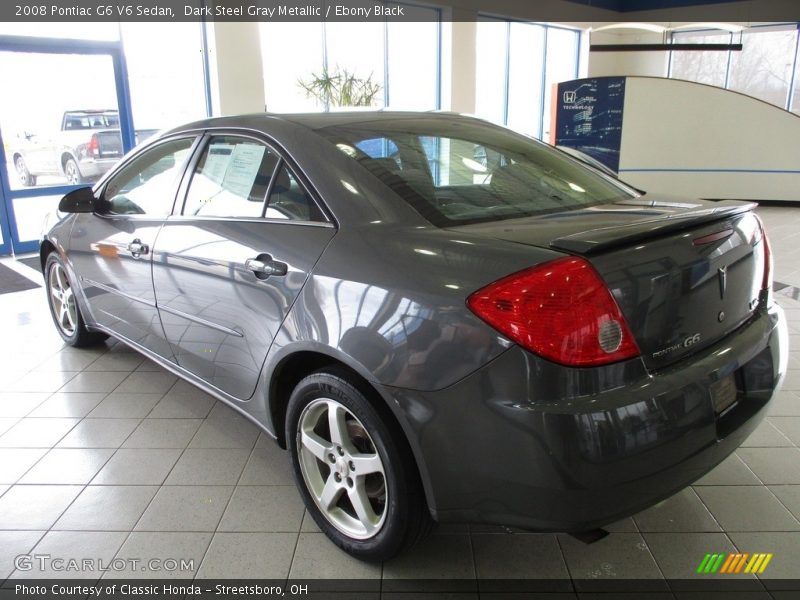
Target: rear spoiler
[[596, 240]]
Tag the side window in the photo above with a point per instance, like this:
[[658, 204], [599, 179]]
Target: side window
[[289, 199], [231, 179], [147, 185]]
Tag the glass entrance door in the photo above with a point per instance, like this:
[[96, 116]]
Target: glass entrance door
[[64, 121]]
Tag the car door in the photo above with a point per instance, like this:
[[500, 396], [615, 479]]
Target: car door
[[228, 268], [111, 249]]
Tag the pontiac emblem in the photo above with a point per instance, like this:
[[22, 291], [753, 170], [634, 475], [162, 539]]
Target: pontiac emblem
[[722, 275]]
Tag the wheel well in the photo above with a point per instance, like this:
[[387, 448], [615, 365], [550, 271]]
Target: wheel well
[[301, 364], [44, 251], [285, 378], [295, 367], [64, 158], [15, 157]]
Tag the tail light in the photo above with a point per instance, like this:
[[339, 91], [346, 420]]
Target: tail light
[[766, 282], [93, 147], [561, 310]]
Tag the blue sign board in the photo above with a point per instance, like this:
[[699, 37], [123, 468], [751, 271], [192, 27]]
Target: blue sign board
[[589, 117]]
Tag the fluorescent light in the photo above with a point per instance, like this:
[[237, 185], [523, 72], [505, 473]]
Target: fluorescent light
[[652, 27], [723, 26]]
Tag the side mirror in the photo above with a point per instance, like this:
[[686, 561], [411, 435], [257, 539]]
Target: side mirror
[[81, 200]]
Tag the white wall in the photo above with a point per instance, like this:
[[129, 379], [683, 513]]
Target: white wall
[[701, 141], [627, 63], [237, 76]]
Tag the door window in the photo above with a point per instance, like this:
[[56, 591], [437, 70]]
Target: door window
[[146, 186], [231, 179], [289, 199]]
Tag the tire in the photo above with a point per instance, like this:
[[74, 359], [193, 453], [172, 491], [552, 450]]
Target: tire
[[72, 172], [365, 463], [64, 306], [23, 174]]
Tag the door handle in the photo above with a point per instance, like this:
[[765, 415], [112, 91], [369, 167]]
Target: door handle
[[137, 248], [264, 266]]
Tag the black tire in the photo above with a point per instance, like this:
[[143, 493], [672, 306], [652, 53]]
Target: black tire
[[64, 306], [23, 174], [404, 516], [72, 172]]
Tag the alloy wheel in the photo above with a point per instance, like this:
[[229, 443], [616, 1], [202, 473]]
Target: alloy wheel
[[72, 173], [22, 171], [342, 469], [62, 300]]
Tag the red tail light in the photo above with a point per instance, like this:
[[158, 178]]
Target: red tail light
[[761, 236], [93, 147], [766, 283], [561, 310]]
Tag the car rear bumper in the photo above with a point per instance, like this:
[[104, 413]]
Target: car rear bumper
[[94, 168], [527, 443]]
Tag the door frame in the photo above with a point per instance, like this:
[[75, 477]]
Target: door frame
[[9, 43]]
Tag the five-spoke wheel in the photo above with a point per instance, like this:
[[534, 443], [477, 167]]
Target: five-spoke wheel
[[62, 300], [64, 305], [353, 466], [342, 468]]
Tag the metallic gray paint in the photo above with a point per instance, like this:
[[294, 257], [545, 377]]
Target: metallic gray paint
[[499, 434]]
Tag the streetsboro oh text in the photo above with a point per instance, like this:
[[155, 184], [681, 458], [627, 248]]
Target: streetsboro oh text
[[126, 589], [283, 10]]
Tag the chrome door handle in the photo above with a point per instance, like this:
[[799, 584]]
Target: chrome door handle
[[264, 266], [137, 248]]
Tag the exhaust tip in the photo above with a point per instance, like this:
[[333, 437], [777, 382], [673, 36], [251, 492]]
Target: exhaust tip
[[590, 536]]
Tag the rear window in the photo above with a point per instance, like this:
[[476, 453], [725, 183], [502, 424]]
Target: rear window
[[463, 172]]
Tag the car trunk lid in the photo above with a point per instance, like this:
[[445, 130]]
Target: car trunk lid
[[684, 273]]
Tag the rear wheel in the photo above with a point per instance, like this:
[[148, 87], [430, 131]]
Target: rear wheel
[[72, 172], [64, 306], [354, 471]]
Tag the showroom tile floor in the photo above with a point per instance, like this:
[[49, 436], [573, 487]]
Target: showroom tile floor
[[103, 455]]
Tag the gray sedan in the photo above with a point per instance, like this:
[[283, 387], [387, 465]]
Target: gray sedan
[[517, 340]]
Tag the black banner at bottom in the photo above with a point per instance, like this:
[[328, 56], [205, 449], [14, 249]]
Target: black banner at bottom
[[393, 589]]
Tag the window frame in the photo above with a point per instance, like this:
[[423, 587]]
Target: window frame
[[283, 159], [191, 171], [102, 186]]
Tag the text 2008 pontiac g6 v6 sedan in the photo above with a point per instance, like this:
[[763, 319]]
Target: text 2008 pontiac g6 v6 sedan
[[440, 319]]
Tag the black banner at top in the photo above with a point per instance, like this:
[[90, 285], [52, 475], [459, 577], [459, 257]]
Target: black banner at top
[[383, 10]]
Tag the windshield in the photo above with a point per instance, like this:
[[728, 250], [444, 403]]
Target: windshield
[[462, 172]]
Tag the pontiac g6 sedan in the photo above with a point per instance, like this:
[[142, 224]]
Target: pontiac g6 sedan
[[439, 319]]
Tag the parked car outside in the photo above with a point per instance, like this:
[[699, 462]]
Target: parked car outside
[[519, 341], [88, 144]]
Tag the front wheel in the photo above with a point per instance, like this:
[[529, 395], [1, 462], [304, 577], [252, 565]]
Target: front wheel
[[354, 471], [64, 306], [23, 174]]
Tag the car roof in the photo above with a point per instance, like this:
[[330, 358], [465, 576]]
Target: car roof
[[320, 120]]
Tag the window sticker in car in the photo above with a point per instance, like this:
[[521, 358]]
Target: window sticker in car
[[219, 155], [243, 167]]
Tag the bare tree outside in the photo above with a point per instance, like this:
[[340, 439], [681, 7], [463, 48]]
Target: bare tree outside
[[762, 69], [700, 66]]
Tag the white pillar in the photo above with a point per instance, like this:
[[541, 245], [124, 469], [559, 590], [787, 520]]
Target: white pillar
[[237, 76], [459, 42]]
